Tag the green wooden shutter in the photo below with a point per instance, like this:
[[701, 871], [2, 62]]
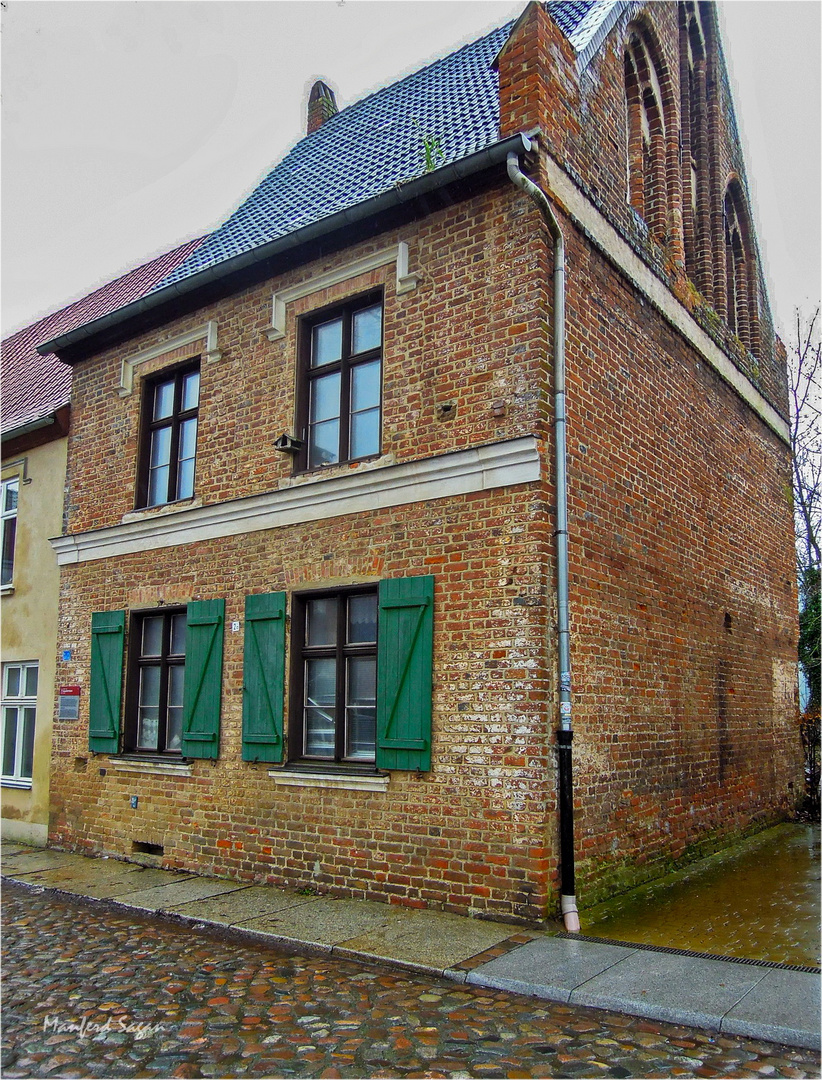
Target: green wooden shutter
[[404, 670], [202, 690], [108, 630], [263, 677]]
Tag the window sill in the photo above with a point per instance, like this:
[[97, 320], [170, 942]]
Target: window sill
[[338, 779], [161, 510], [150, 765], [23, 785], [6, 590], [339, 468]]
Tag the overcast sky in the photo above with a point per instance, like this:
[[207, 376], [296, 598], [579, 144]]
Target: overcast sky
[[129, 126]]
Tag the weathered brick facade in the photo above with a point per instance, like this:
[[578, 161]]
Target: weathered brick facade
[[682, 593]]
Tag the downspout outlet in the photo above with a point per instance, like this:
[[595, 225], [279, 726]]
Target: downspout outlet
[[570, 915]]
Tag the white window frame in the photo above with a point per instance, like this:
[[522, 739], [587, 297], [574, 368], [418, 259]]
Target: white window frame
[[9, 516], [20, 702]]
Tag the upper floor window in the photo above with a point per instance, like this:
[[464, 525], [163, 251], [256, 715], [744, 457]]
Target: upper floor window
[[341, 402], [9, 519], [154, 715], [169, 437], [647, 149], [696, 224], [19, 708]]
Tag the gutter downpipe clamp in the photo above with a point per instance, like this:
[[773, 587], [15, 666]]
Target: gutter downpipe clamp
[[565, 732]]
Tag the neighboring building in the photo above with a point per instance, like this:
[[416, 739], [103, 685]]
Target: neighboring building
[[35, 422], [308, 567]]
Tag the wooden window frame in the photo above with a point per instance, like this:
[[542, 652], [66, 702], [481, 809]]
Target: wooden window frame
[[345, 365], [9, 530], [136, 661], [340, 651], [19, 702], [148, 426]]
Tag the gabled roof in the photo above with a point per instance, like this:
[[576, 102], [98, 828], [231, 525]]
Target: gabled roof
[[426, 130], [451, 106], [35, 386]]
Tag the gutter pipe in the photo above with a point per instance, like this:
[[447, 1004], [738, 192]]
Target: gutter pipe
[[565, 732]]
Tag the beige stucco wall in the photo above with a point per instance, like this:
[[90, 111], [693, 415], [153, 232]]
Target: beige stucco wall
[[29, 621]]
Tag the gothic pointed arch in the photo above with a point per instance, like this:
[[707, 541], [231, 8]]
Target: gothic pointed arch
[[695, 32], [650, 129], [741, 304]]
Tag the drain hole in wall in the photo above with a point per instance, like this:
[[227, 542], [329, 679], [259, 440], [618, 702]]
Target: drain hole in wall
[[146, 849]]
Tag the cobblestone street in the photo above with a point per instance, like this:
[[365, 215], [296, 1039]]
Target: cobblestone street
[[91, 992]]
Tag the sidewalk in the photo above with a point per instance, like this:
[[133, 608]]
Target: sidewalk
[[749, 998]]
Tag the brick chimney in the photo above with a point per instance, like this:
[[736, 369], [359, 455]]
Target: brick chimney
[[321, 106]]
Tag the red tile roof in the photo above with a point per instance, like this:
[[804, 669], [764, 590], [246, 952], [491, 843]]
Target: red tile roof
[[35, 386]]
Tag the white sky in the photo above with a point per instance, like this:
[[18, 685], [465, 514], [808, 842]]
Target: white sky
[[129, 126]]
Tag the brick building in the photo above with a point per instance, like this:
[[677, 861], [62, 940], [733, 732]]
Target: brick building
[[314, 557]]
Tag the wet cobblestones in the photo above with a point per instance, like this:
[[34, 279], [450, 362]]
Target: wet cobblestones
[[91, 992]]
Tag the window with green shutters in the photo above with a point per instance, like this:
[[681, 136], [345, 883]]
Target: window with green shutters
[[173, 702], [361, 675]]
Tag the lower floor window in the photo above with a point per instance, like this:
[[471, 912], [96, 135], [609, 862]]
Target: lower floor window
[[155, 709], [19, 709], [336, 676]]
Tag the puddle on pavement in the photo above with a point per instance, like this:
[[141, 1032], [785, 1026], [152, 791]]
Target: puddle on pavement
[[760, 900]]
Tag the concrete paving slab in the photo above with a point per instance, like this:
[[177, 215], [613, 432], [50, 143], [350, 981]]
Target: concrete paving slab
[[435, 939], [783, 1007], [87, 872], [137, 879], [322, 922], [11, 847], [666, 986], [163, 897], [550, 968], [248, 902], [31, 862]]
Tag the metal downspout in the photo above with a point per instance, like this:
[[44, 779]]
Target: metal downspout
[[565, 732]]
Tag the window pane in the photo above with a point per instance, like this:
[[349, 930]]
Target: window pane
[[31, 681], [160, 447], [152, 636], [361, 733], [321, 617], [178, 635], [365, 386], [325, 398], [13, 681], [367, 333], [319, 733], [9, 533], [321, 682], [147, 729], [9, 740], [188, 447], [27, 745], [362, 681], [365, 433], [150, 686], [362, 618], [326, 343], [188, 439], [324, 443], [191, 391], [163, 400], [174, 724], [10, 496]]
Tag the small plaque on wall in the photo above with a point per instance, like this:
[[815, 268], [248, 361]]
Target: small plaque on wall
[[69, 703]]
